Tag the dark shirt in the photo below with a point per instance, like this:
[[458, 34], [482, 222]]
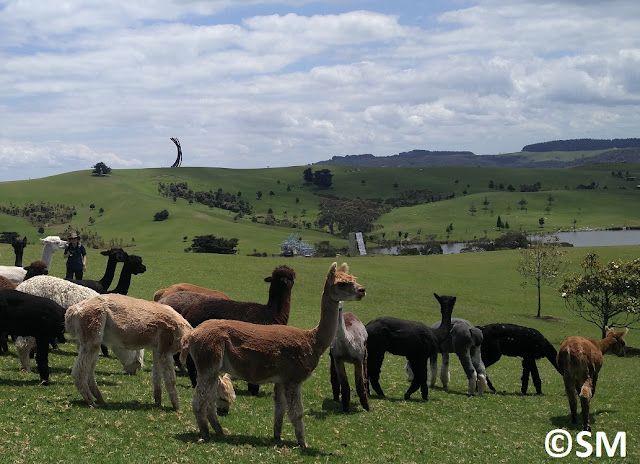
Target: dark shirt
[[74, 260]]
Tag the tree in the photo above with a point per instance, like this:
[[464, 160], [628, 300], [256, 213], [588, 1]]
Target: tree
[[541, 263], [213, 244], [541, 222], [485, 203], [259, 194], [523, 204], [100, 169], [608, 295], [473, 209], [161, 216], [307, 174], [322, 178], [499, 223]]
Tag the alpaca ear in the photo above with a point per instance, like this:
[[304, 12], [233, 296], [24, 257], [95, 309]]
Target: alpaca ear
[[344, 268], [268, 279], [332, 271], [437, 296], [624, 331]]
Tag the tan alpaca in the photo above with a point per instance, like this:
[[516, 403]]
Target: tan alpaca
[[125, 323], [579, 361], [184, 287], [280, 354]]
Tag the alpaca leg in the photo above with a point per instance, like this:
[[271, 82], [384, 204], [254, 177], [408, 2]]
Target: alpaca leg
[[526, 370], [571, 396], [433, 364], [476, 359], [191, 368], [91, 380], [279, 407], [586, 393], [535, 377], [24, 345], [419, 367], [444, 371], [169, 376], [82, 372], [360, 375], [374, 365], [253, 389], [469, 370], [335, 384], [293, 396], [344, 386], [156, 377], [586, 421], [203, 410], [42, 359]]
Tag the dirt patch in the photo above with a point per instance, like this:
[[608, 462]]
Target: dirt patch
[[544, 318]]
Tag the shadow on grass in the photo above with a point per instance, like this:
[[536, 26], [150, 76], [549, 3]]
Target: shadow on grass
[[256, 442], [564, 421], [122, 405]]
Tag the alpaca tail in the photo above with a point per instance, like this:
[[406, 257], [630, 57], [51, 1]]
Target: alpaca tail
[[476, 336], [185, 343]]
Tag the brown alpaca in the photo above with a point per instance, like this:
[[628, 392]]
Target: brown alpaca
[[125, 323], [280, 354], [579, 361], [349, 346], [6, 284], [184, 287]]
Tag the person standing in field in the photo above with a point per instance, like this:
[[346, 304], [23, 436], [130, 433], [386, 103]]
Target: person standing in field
[[76, 256]]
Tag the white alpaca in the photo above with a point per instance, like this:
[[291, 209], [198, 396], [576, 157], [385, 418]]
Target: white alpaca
[[66, 294], [52, 243], [125, 323]]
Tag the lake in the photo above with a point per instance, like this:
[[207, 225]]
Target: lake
[[578, 238]]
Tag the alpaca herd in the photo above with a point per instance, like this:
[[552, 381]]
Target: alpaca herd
[[222, 340]]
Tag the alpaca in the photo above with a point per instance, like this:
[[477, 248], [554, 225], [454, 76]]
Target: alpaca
[[275, 353], [412, 339], [125, 323], [33, 316], [66, 294], [580, 360], [132, 266], [51, 243], [115, 256], [185, 287], [518, 341], [179, 301], [349, 346], [6, 284], [275, 311], [465, 341], [34, 269], [18, 248]]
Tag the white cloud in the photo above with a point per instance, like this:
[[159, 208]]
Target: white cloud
[[112, 81]]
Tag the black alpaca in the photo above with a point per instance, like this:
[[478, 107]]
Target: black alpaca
[[27, 315], [275, 311], [517, 341], [411, 339]]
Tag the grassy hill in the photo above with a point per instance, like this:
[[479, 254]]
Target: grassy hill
[[130, 199]]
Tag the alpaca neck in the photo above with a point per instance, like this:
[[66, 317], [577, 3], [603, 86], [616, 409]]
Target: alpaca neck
[[47, 254], [280, 304], [18, 261], [326, 329], [123, 282], [445, 326], [109, 273], [606, 343], [341, 331]]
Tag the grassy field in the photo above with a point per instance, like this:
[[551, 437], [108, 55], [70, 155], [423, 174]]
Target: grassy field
[[130, 199], [52, 424]]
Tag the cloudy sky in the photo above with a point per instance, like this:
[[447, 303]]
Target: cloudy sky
[[257, 83]]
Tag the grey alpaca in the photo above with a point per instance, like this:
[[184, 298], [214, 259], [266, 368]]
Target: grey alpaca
[[465, 341]]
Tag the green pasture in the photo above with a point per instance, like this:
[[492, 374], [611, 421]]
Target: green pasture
[[52, 424], [130, 200]]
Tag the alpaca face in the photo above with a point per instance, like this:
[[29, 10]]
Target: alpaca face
[[118, 254], [226, 395], [345, 287], [618, 347]]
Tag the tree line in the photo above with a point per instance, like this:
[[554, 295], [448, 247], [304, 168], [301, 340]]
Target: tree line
[[581, 145]]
